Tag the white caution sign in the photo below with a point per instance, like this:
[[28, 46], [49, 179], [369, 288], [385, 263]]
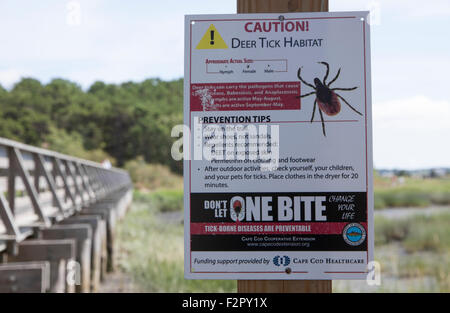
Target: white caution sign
[[278, 169]]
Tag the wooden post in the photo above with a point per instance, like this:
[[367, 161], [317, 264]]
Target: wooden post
[[82, 234], [282, 286]]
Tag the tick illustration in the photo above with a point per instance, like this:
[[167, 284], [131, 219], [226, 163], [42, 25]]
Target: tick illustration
[[326, 97], [237, 213]]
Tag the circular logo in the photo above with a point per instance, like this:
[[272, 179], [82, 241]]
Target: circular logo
[[354, 234], [237, 209], [281, 260]]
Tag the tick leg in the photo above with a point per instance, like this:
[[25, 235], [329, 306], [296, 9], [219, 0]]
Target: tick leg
[[323, 124], [305, 95], [314, 110], [334, 79], [349, 105], [301, 79], [344, 89], [328, 71]]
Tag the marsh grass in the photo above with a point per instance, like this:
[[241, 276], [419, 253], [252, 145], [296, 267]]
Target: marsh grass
[[423, 248], [152, 252], [412, 192], [151, 249], [417, 233]]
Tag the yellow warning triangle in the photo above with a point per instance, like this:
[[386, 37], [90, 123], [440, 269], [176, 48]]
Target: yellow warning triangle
[[212, 40]]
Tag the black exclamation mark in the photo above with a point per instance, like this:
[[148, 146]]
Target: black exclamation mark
[[212, 38]]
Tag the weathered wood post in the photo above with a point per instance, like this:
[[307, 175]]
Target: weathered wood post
[[282, 286]]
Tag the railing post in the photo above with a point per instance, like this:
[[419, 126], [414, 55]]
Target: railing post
[[57, 167], [7, 217], [12, 173], [84, 185], [74, 178], [88, 183], [17, 156], [40, 163]]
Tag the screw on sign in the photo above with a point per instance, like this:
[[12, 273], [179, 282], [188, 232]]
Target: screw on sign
[[326, 97]]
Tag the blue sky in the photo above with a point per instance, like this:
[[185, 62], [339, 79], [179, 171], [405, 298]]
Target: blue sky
[[117, 41]]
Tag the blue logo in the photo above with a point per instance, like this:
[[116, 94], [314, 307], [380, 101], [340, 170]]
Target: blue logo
[[281, 260], [354, 234]]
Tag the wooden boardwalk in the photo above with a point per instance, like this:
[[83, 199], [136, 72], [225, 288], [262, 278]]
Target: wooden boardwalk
[[57, 219]]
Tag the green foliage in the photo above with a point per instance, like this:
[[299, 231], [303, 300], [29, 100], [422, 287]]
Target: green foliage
[[388, 230], [124, 120], [412, 192], [152, 176], [417, 247], [72, 144], [168, 200], [429, 233], [401, 198], [163, 200], [418, 233]]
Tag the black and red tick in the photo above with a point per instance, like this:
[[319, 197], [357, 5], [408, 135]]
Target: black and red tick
[[326, 97]]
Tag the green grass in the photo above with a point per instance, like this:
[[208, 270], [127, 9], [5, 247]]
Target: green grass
[[147, 176], [412, 192], [417, 233], [152, 250], [401, 198], [163, 200], [422, 244], [151, 246], [168, 200]]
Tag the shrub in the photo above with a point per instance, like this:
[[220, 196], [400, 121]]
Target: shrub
[[387, 230], [147, 176], [168, 200], [161, 200]]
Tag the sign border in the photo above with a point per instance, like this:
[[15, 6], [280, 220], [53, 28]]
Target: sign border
[[364, 17]]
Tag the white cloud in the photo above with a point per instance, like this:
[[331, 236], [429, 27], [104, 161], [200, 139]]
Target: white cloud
[[8, 77], [411, 133]]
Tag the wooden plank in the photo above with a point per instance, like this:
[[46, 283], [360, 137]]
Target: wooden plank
[[24, 277], [98, 237], [56, 252], [281, 6], [109, 216], [82, 234], [286, 286], [104, 221]]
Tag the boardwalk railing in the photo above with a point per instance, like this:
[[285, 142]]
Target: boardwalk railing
[[48, 201]]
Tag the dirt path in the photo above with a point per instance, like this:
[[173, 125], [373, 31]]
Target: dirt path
[[117, 282]]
